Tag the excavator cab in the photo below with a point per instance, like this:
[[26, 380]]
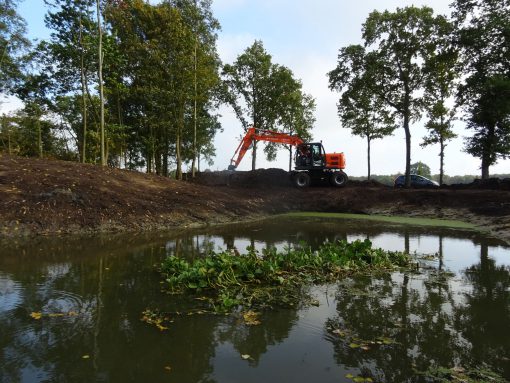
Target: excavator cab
[[309, 156]]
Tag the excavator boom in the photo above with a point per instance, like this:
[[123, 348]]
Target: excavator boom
[[253, 134]]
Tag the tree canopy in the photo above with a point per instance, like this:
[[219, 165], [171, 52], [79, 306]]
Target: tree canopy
[[266, 95], [12, 44], [483, 37]]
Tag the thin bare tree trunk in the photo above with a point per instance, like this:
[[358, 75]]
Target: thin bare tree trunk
[[83, 95], [39, 137], [100, 75], [195, 106]]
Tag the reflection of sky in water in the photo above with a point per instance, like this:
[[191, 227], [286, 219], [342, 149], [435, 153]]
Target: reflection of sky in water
[[458, 254], [10, 294]]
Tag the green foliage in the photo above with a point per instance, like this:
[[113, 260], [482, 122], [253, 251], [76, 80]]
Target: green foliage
[[166, 49], [12, 43], [402, 44], [459, 374], [490, 120], [483, 35], [267, 96], [355, 77], [440, 84], [19, 135], [272, 276], [421, 169]]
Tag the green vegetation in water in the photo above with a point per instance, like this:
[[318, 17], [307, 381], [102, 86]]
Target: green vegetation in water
[[395, 220], [459, 374], [272, 277]]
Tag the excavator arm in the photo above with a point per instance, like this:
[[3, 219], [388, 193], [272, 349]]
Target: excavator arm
[[253, 135]]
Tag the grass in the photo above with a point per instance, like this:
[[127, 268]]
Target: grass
[[271, 277], [453, 224]]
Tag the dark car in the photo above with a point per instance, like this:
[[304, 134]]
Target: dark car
[[416, 182]]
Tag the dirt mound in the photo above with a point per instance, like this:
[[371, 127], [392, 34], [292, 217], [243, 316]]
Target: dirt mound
[[489, 184], [245, 179], [262, 178], [47, 196]]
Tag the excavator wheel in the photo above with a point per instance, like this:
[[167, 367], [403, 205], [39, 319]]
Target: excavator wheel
[[338, 179], [302, 179]]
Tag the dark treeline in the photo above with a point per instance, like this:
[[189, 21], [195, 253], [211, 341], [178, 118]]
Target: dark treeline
[[135, 85]]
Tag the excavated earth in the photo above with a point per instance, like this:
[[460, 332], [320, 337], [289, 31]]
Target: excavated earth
[[41, 196]]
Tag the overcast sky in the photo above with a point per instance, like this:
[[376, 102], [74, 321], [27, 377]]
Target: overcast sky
[[305, 36]]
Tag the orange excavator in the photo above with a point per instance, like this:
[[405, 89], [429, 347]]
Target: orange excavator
[[311, 162]]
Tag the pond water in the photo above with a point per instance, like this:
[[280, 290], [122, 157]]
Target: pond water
[[71, 309]]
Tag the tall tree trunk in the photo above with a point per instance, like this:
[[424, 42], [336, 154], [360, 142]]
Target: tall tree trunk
[[290, 158], [485, 166], [120, 121], [368, 156], [254, 155], [39, 137], [100, 75], [83, 95], [195, 105], [408, 148], [487, 150], [165, 153], [441, 160], [180, 126]]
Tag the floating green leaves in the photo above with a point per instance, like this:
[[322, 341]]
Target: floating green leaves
[[354, 342], [359, 379], [461, 374], [272, 277], [161, 322]]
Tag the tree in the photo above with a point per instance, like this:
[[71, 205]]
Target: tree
[[402, 44], [484, 38], [69, 62], [12, 43], [295, 110], [170, 75], [100, 80], [490, 119], [440, 85], [359, 108], [421, 169], [249, 80], [266, 95]]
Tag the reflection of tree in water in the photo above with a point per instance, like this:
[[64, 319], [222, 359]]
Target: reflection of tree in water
[[109, 293], [433, 327], [416, 313], [484, 320], [254, 340]]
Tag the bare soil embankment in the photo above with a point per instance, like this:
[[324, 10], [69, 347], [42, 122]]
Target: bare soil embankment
[[48, 196]]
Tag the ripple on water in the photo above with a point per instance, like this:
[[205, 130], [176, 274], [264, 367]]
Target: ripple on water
[[63, 302]]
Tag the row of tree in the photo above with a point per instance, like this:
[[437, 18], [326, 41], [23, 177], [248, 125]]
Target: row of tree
[[414, 63], [137, 85]]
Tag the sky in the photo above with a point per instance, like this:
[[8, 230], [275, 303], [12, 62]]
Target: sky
[[305, 36]]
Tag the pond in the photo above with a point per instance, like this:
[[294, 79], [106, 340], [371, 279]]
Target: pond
[[71, 309]]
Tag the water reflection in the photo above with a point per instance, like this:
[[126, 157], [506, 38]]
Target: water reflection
[[91, 292], [434, 319]]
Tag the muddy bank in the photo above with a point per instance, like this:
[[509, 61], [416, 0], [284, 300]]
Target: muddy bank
[[47, 196]]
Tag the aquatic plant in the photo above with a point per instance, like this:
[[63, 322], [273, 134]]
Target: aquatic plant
[[273, 277]]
